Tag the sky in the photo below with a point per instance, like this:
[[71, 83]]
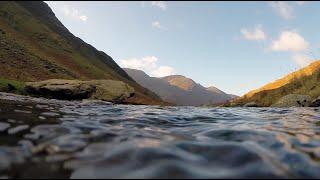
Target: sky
[[234, 46]]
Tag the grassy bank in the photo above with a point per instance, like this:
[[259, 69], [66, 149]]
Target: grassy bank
[[12, 86]]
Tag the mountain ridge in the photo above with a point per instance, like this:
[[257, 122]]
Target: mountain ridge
[[173, 90]]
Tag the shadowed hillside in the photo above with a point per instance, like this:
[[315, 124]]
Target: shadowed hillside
[[34, 45]]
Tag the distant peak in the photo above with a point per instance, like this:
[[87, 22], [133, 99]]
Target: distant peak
[[215, 90], [181, 81]]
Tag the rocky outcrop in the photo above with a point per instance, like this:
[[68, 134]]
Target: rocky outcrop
[[106, 90], [251, 104], [315, 103], [293, 100]]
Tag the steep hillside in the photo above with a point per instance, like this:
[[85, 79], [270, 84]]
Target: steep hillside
[[183, 91], [304, 81], [34, 45]]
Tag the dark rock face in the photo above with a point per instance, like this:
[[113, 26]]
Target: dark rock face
[[315, 103]]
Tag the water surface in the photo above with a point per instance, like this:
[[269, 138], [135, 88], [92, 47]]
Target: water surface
[[92, 139]]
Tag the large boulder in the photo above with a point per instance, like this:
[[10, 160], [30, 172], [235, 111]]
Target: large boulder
[[315, 103], [106, 90], [293, 100]]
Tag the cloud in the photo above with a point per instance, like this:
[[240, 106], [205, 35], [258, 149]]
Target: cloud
[[290, 41], [293, 42], [160, 4], [149, 65], [141, 64], [163, 71], [302, 60], [156, 24], [74, 13], [284, 9], [301, 2], [83, 18], [256, 34]]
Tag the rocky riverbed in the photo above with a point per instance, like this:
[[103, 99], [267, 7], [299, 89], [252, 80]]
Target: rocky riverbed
[[41, 138]]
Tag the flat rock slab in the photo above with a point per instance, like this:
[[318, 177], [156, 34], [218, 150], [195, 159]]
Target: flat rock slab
[[106, 90]]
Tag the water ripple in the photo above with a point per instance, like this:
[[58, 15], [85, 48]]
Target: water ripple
[[95, 139]]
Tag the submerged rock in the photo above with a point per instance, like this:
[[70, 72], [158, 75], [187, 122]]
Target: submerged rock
[[315, 103], [293, 100], [106, 90]]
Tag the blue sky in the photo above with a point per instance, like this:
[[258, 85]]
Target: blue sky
[[235, 46]]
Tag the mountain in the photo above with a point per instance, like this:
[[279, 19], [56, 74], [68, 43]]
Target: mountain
[[178, 89], [222, 94], [304, 81], [181, 82], [232, 96], [35, 45]]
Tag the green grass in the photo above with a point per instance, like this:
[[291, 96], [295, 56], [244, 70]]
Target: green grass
[[12, 86]]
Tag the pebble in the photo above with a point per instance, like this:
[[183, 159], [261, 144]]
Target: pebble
[[50, 114], [34, 136], [57, 158], [41, 106], [42, 117], [20, 111], [18, 129], [12, 121], [4, 126]]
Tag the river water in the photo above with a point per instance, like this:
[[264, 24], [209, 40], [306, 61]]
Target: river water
[[42, 138]]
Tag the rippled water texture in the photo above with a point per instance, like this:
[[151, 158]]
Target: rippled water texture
[[59, 139]]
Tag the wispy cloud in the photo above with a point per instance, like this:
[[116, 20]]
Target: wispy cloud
[[283, 8], [157, 24], [163, 71], [290, 41], [74, 13], [294, 43], [302, 60], [256, 34], [149, 65], [160, 4]]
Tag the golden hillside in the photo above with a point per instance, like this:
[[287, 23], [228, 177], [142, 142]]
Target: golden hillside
[[304, 81]]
